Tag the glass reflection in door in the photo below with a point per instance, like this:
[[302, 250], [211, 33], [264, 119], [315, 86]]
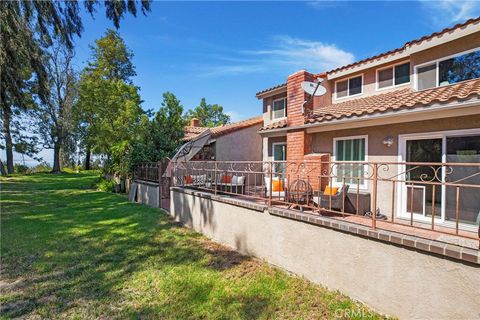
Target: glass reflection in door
[[421, 197]]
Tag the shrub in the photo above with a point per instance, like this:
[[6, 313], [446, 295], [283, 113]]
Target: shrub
[[107, 185], [20, 168]]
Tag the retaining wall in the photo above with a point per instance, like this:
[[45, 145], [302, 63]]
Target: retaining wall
[[395, 280]]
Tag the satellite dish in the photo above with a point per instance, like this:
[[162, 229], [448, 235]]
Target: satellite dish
[[314, 89]]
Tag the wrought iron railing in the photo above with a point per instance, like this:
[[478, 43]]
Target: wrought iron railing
[[150, 171], [440, 197]]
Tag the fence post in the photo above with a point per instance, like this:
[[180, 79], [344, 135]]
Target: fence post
[[374, 209], [215, 180], [271, 183], [159, 171]]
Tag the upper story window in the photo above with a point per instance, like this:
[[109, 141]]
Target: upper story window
[[279, 108], [464, 66], [349, 87], [393, 76]]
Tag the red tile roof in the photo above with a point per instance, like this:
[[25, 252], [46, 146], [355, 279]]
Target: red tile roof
[[407, 44], [391, 101], [192, 132], [274, 125]]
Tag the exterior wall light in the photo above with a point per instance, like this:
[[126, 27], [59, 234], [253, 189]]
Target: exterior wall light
[[388, 141]]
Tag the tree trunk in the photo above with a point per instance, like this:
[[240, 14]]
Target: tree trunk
[[56, 158], [2, 168], [8, 139], [87, 158]]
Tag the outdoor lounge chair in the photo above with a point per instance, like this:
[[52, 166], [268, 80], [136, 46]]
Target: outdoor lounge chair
[[336, 202], [236, 185], [198, 180]]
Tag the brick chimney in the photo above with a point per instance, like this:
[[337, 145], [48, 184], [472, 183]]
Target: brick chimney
[[299, 143], [195, 122]]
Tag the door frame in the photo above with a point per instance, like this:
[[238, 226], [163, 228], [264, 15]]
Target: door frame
[[402, 210]]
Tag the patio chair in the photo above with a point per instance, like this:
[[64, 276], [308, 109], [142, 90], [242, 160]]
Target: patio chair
[[337, 200]]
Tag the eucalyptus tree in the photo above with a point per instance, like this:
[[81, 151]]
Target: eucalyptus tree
[[54, 114], [28, 29]]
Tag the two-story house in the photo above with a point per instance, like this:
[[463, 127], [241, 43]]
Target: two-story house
[[417, 104]]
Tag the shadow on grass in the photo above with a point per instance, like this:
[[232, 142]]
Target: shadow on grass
[[72, 252], [63, 243]]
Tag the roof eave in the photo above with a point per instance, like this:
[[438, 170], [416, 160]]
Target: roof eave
[[409, 48], [269, 93], [472, 101]]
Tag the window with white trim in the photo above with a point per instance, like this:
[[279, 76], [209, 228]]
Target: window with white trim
[[393, 76], [461, 67], [279, 107], [349, 87], [350, 150]]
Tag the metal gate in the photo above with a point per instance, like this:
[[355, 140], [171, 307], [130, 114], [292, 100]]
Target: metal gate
[[155, 172]]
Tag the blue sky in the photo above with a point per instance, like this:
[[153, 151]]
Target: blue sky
[[227, 51]]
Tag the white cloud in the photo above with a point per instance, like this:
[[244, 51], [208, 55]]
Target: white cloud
[[296, 53], [445, 12], [283, 53]]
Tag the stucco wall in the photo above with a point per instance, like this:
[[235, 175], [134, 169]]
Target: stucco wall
[[267, 107], [396, 281], [369, 75], [147, 193], [453, 47], [245, 144]]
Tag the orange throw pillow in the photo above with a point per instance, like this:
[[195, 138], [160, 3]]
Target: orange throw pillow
[[277, 185], [330, 191], [226, 179], [188, 179]]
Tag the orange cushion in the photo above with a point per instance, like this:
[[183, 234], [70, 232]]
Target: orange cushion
[[226, 179], [277, 185], [330, 191], [188, 179]]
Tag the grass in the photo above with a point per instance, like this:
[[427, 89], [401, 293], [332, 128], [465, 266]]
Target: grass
[[69, 251]]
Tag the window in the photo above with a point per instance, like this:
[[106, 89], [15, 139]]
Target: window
[[393, 76], [462, 67], [426, 77], [350, 149], [278, 109], [349, 87]]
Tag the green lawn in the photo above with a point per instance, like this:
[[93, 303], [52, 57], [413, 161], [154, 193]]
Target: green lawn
[[69, 251]]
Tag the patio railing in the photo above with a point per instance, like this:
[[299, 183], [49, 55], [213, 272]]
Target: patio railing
[[439, 197]]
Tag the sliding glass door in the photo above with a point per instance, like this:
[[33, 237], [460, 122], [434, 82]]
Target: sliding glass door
[[428, 188], [464, 149], [279, 154], [422, 196]]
